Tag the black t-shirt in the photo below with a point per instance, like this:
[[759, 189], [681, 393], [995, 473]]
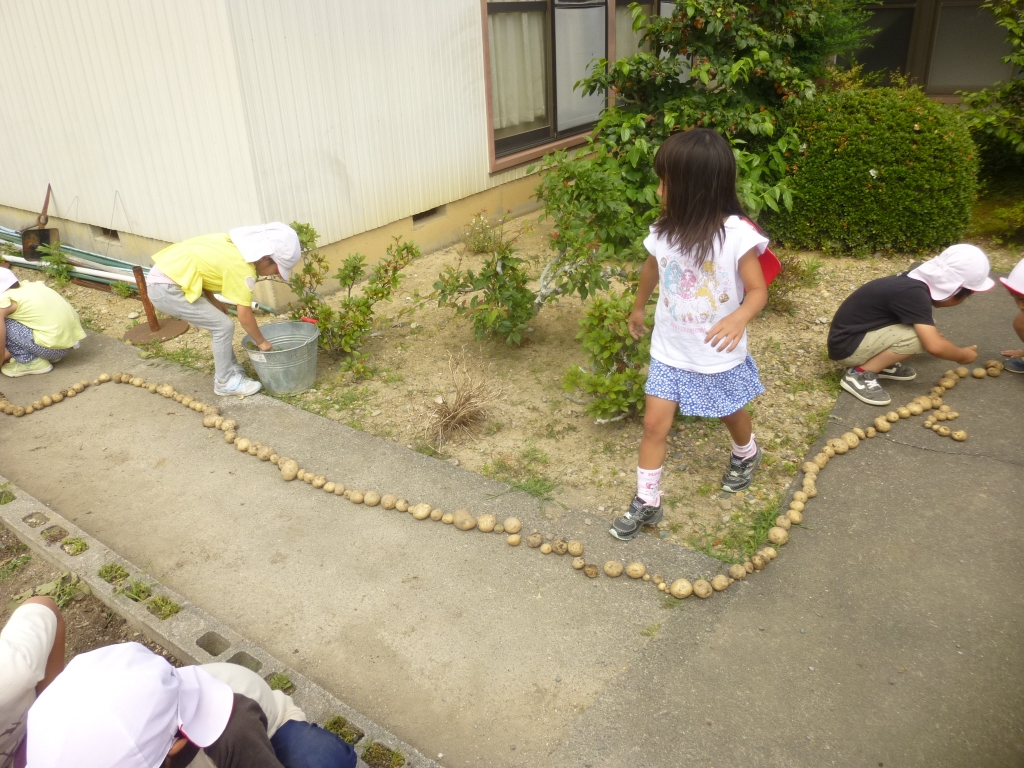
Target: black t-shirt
[[895, 300]]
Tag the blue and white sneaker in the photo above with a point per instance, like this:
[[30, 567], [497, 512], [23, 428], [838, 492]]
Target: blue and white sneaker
[[639, 514], [740, 473], [237, 384]]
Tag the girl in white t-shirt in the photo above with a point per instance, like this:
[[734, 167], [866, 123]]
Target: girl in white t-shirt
[[704, 258]]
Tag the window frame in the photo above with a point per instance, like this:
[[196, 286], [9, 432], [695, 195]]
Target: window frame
[[525, 155]]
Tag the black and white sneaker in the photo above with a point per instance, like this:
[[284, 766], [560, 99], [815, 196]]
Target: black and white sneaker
[[898, 372], [865, 387], [639, 514], [740, 473]]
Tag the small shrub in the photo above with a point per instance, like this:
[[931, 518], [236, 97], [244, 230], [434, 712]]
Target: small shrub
[[343, 729], [481, 236], [74, 546], [8, 568], [881, 169], [279, 681], [136, 590], [56, 264], [113, 573], [615, 378], [465, 411], [124, 290], [378, 756], [163, 607], [796, 272], [6, 494]]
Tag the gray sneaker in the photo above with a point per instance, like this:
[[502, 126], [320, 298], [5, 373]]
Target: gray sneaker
[[740, 473], [898, 372], [639, 514], [865, 387]]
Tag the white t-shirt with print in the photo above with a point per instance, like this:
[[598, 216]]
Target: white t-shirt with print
[[692, 299], [25, 644]]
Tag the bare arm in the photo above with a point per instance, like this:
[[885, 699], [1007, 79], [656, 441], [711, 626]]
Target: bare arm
[[55, 661], [727, 332], [3, 327], [217, 303], [938, 345], [248, 321], [648, 281]]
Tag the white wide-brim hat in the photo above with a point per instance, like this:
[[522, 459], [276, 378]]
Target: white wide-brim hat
[[123, 706], [276, 240], [7, 279], [1014, 282], [959, 266]]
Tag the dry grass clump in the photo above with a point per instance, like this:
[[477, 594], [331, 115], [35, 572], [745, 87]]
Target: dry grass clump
[[464, 410]]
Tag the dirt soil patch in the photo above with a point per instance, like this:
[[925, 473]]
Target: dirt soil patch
[[535, 437], [90, 624]]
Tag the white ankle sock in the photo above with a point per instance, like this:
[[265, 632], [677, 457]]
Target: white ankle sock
[[745, 451], [647, 481]]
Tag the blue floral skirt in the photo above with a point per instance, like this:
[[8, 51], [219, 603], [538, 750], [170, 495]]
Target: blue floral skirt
[[712, 395]]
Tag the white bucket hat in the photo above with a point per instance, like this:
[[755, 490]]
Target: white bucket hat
[[959, 266], [1014, 282], [7, 279], [276, 240], [122, 707]]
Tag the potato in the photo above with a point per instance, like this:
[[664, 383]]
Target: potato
[[104, 378], [882, 425], [186, 400], [559, 546], [681, 588], [37, 405], [402, 505], [339, 489], [514, 539], [870, 432], [152, 389], [242, 444], [658, 578], [860, 433], [136, 382], [464, 521], [997, 364], [289, 468], [829, 451], [892, 417], [926, 403], [944, 431], [937, 391], [512, 525], [993, 372], [591, 571], [947, 383], [951, 415], [821, 460], [748, 566], [29, 410], [387, 501], [769, 553], [486, 522], [209, 421], [852, 441], [758, 562], [737, 572], [936, 428], [795, 516], [613, 569], [578, 563], [438, 514], [720, 583], [929, 423], [252, 450], [915, 409], [940, 416], [229, 425], [575, 548], [419, 512], [810, 468], [959, 435], [636, 570], [936, 402], [9, 408], [647, 577], [46, 400], [797, 505], [319, 481], [962, 372], [545, 548], [702, 589], [783, 522], [329, 487], [840, 447], [356, 497], [800, 496], [778, 535], [903, 412], [371, 498], [950, 375], [126, 378], [230, 437], [69, 393]]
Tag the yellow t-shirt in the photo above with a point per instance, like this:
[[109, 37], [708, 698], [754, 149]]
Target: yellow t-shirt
[[211, 263], [54, 322]]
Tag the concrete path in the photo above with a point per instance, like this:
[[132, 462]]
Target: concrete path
[[887, 632]]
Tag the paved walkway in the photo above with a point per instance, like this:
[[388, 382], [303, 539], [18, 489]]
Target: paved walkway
[[888, 631]]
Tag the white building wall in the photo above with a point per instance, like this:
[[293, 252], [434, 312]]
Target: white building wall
[[131, 109], [171, 118]]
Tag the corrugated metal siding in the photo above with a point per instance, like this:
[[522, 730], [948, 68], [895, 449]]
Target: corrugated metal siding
[[360, 114], [200, 115], [129, 100]]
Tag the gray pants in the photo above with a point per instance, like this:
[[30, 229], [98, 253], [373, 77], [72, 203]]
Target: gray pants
[[170, 300]]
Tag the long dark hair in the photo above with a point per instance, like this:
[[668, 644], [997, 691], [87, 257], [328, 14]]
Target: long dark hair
[[698, 170]]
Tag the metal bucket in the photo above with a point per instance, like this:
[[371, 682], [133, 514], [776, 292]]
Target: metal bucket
[[290, 367]]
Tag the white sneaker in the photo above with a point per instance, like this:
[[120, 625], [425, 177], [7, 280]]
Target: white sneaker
[[237, 384]]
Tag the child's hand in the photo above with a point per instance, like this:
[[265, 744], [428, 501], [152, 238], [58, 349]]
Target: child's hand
[[1012, 353], [636, 324], [726, 333], [970, 354]]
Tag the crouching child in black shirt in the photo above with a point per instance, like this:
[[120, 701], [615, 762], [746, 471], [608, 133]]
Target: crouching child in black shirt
[[887, 320]]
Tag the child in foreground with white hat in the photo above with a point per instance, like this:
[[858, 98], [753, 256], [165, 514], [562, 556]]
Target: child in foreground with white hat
[[887, 320], [123, 706], [37, 326], [1014, 283]]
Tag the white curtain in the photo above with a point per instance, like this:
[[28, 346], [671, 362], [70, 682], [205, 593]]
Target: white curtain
[[627, 42], [518, 70]]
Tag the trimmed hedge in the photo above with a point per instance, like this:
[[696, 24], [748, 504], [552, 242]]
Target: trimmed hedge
[[880, 169]]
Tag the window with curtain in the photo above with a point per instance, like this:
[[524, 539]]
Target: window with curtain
[[539, 49], [627, 42]]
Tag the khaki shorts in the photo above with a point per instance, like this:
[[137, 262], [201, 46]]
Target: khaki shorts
[[901, 339]]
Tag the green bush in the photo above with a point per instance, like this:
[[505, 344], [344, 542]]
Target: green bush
[[880, 169]]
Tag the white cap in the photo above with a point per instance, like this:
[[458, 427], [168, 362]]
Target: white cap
[[121, 707], [959, 266], [7, 279], [276, 240], [1015, 281]]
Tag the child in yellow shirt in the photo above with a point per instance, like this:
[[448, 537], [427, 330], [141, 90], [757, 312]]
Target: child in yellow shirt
[[39, 327]]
